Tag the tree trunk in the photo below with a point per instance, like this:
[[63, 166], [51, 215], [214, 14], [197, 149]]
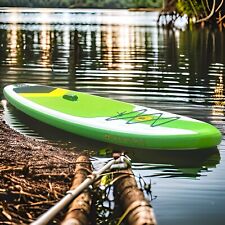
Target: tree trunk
[[136, 209], [79, 210]]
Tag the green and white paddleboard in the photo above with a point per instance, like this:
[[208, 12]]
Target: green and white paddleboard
[[110, 120]]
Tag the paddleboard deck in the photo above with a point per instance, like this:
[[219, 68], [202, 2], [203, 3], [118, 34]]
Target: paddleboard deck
[[110, 120]]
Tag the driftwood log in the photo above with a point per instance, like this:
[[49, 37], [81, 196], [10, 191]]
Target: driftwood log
[[136, 209], [79, 209]]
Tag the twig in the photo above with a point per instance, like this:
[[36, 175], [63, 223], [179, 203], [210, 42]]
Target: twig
[[11, 168], [42, 203], [7, 222], [28, 194], [62, 175], [221, 19], [221, 3], [207, 4], [57, 157], [16, 179]]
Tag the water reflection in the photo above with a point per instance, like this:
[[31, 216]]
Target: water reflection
[[127, 59], [177, 164], [219, 98], [12, 41], [45, 38], [123, 55], [161, 163], [140, 64]]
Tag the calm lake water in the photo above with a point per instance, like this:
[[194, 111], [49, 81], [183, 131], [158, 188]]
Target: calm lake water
[[123, 55]]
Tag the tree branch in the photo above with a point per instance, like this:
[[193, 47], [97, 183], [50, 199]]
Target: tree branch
[[193, 7], [207, 4], [203, 5], [210, 15], [221, 3], [220, 20]]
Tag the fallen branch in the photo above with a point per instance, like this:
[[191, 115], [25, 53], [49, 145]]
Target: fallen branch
[[80, 208], [11, 168], [63, 159], [136, 209], [42, 203]]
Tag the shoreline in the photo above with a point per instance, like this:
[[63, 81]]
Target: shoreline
[[34, 175], [145, 9]]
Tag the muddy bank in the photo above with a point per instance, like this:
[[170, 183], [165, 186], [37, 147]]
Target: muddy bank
[[33, 176]]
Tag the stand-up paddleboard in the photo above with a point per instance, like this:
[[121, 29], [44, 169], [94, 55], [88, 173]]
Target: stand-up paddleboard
[[110, 120]]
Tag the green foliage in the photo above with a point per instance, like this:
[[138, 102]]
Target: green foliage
[[199, 12], [82, 3], [192, 8], [147, 4]]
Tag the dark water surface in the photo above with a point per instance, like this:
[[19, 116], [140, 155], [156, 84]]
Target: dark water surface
[[123, 55]]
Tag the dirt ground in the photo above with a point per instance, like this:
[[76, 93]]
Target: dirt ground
[[33, 176]]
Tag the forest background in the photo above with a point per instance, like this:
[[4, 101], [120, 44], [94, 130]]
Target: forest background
[[116, 4]]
